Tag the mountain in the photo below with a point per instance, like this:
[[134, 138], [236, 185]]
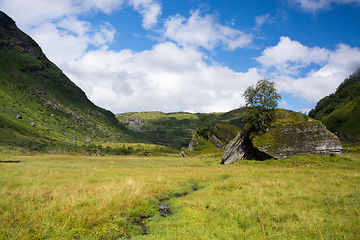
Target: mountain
[[40, 104], [177, 129], [340, 111]]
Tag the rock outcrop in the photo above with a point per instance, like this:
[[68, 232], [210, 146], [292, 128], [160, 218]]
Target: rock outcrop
[[239, 148], [345, 137], [290, 134], [221, 135], [134, 124]]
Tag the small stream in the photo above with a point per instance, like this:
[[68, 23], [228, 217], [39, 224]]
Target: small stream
[[164, 209]]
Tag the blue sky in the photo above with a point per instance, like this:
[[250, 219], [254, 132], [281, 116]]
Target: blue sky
[[195, 55]]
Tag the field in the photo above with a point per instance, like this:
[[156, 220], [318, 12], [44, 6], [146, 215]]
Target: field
[[117, 197]]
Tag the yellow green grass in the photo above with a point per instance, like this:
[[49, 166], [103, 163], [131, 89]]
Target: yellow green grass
[[110, 197]]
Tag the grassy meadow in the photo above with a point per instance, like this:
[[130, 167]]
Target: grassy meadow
[[116, 197]]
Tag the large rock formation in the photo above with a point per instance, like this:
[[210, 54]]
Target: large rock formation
[[221, 135], [290, 134]]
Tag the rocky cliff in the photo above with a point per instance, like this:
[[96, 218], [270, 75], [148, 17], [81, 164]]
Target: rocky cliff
[[291, 134], [221, 135]]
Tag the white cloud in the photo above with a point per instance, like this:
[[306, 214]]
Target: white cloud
[[288, 56], [73, 25], [104, 35], [318, 5], [149, 9], [34, 12], [174, 76], [205, 32], [260, 20], [284, 63], [166, 78], [70, 38], [59, 45]]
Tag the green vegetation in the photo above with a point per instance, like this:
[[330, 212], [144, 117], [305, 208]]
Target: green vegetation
[[262, 100], [111, 197], [168, 129], [274, 139], [175, 130], [340, 110], [40, 105], [67, 195]]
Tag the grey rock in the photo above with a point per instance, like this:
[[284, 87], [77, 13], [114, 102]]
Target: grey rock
[[182, 153], [283, 140], [345, 137], [217, 142], [193, 143], [239, 148], [134, 124], [93, 152]]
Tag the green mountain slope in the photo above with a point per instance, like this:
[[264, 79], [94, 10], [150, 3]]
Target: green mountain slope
[[341, 110], [39, 103], [176, 129]]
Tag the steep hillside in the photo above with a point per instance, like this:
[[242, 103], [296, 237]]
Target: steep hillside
[[177, 129], [38, 103], [341, 110]]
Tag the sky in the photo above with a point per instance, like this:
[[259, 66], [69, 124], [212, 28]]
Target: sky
[[195, 55]]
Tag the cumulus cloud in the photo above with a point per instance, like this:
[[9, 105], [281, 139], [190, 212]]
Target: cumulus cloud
[[324, 69], [318, 5], [70, 38], [289, 56], [34, 12], [175, 74], [167, 78], [56, 26], [149, 9], [204, 31]]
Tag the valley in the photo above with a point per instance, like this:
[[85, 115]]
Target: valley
[[72, 170]]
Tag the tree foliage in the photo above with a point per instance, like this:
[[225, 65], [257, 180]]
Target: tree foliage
[[263, 95], [262, 101]]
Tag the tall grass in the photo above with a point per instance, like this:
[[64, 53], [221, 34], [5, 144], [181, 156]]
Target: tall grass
[[73, 196]]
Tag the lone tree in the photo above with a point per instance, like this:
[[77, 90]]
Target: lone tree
[[262, 101]]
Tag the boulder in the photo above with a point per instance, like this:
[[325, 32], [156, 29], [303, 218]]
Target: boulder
[[93, 152], [238, 148], [290, 134], [194, 142]]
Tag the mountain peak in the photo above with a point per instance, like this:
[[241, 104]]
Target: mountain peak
[[5, 20], [11, 37]]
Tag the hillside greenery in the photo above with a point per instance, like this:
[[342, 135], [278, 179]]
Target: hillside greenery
[[66, 195], [175, 130], [40, 105], [341, 110]]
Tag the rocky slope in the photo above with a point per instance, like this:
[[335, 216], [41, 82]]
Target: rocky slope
[[291, 134]]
